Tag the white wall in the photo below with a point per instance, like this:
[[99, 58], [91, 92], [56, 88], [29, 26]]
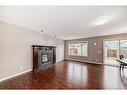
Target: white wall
[[16, 50]]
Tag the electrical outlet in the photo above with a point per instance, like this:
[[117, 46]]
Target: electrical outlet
[[21, 67], [96, 59], [99, 51]]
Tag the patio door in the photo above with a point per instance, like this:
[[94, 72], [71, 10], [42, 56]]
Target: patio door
[[112, 50], [123, 48]]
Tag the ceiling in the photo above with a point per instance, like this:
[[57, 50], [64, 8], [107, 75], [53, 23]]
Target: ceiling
[[68, 22]]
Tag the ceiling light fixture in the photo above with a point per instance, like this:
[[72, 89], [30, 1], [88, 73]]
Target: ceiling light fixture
[[54, 35], [41, 31], [101, 20]]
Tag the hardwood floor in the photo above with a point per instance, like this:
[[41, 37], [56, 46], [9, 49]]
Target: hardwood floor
[[70, 75]]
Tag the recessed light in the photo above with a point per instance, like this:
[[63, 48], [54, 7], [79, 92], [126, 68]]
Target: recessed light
[[54, 35], [101, 20]]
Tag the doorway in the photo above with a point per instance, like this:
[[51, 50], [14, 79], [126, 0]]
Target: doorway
[[112, 50]]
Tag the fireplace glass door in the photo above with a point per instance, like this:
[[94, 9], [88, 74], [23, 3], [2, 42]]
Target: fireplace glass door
[[46, 56]]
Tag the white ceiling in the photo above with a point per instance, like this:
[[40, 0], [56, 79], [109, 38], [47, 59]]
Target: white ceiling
[[67, 22]]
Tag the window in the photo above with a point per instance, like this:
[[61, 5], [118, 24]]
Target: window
[[78, 49]]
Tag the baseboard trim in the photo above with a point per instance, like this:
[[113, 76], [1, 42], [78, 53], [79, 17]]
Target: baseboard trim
[[12, 76], [91, 62], [84, 61], [6, 78]]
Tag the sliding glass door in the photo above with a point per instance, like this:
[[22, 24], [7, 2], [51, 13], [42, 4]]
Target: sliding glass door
[[112, 50], [123, 48]]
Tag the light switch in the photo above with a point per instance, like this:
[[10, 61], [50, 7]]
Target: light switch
[[99, 51], [21, 67]]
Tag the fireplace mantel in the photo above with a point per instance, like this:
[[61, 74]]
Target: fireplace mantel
[[42, 46], [43, 57]]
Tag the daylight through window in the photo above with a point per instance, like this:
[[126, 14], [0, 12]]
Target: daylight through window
[[78, 49]]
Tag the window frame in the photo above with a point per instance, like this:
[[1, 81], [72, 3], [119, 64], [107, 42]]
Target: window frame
[[81, 48]]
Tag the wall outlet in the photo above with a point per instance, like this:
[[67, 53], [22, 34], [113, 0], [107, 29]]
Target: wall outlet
[[21, 67], [99, 51], [96, 59]]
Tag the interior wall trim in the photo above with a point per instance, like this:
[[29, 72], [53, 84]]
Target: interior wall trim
[[91, 62], [84, 61], [12, 76]]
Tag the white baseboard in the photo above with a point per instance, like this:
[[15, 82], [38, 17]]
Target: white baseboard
[[6, 78], [84, 61], [92, 62], [3, 79]]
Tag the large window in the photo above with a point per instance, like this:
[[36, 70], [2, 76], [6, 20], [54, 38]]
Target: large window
[[78, 49]]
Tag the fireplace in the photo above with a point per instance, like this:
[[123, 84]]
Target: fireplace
[[43, 57]]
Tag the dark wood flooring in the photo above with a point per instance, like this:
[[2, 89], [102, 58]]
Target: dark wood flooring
[[70, 75]]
